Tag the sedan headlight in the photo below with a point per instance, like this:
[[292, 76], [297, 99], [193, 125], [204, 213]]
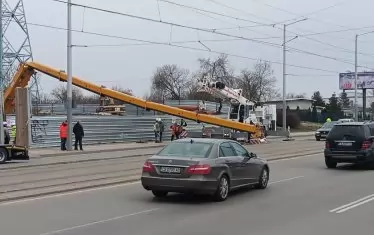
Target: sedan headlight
[[317, 132]]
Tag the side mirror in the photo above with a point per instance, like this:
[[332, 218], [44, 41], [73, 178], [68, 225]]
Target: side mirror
[[252, 155]]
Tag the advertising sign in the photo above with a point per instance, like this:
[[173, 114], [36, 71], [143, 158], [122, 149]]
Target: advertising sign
[[364, 81]]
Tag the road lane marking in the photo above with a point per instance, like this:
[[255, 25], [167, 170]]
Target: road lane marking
[[99, 222], [288, 179], [352, 205]]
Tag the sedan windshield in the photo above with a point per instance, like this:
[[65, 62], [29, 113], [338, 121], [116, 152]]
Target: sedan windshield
[[186, 149]]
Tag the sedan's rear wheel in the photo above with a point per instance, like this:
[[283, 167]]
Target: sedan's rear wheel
[[158, 193], [223, 189], [263, 179]]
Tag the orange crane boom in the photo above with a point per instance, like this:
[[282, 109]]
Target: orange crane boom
[[25, 71]]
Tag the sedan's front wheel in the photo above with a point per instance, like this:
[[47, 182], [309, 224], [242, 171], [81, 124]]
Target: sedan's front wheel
[[223, 189], [263, 179]]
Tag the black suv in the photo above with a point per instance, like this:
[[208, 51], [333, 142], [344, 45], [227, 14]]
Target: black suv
[[350, 142]]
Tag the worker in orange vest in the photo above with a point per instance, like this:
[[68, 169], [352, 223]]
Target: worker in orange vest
[[63, 134]]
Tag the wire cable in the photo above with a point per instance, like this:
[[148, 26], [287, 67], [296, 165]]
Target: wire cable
[[169, 23], [180, 25], [179, 46]]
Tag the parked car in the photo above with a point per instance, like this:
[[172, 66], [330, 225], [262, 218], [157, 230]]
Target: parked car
[[345, 120], [205, 166], [350, 142], [322, 132]]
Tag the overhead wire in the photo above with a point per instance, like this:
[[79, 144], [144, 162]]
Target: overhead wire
[[192, 27], [168, 23], [179, 46], [300, 15], [295, 49], [306, 36]]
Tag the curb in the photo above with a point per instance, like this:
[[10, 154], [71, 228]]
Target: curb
[[93, 151], [74, 161]]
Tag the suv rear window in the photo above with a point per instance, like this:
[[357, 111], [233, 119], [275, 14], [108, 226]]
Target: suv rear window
[[346, 130]]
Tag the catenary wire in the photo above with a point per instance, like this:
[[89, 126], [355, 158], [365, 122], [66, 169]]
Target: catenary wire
[[183, 47]]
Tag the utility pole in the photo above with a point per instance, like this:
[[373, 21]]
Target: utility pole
[[356, 106], [284, 121], [1, 76], [70, 81]]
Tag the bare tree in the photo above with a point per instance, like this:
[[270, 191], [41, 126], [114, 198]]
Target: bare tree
[[259, 84], [217, 70], [169, 82], [60, 94]]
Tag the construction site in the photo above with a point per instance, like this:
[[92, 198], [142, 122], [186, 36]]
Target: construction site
[[233, 117]]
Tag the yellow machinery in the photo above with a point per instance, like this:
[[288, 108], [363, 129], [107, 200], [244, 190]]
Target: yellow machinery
[[25, 71], [107, 106]]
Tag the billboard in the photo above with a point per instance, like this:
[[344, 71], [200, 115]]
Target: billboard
[[365, 80]]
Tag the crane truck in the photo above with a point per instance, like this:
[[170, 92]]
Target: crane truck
[[241, 109]]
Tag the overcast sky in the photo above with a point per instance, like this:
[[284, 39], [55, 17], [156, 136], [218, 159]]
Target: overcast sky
[[132, 66]]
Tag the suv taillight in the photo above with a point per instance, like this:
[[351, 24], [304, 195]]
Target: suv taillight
[[366, 144], [148, 167], [199, 169], [327, 145]]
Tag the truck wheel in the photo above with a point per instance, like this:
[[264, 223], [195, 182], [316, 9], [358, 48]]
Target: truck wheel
[[3, 155]]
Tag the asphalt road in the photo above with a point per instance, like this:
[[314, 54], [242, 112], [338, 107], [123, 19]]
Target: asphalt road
[[303, 198], [72, 172]]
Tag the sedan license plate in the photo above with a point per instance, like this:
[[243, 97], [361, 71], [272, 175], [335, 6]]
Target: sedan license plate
[[345, 144], [170, 170]]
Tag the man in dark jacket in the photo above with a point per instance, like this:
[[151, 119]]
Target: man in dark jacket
[[79, 134]]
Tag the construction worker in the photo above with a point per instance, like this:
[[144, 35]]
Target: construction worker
[[6, 133], [13, 132], [63, 134], [156, 129], [162, 128], [174, 130], [79, 134]]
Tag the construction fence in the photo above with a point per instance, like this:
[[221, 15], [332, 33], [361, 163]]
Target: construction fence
[[102, 129]]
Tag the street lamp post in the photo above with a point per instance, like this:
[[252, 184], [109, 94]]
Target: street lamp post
[[284, 123], [70, 81]]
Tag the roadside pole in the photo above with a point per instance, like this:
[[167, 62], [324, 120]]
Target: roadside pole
[[356, 106], [1, 76], [284, 123], [284, 120], [70, 81]]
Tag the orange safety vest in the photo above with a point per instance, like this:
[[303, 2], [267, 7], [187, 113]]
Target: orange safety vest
[[63, 131]]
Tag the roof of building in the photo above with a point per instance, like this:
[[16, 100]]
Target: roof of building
[[290, 100]]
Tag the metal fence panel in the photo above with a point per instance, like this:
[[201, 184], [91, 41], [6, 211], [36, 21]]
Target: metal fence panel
[[102, 129], [135, 126]]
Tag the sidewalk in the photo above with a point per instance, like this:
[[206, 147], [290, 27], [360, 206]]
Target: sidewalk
[[88, 149]]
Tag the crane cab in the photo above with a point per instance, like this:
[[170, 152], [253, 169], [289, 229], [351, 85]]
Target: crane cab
[[241, 112]]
